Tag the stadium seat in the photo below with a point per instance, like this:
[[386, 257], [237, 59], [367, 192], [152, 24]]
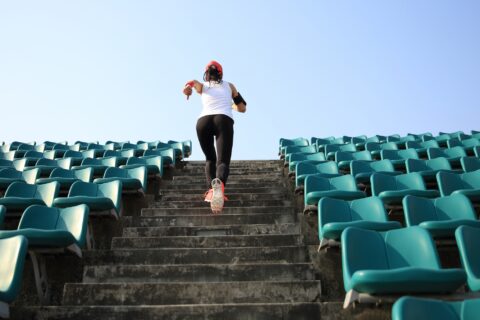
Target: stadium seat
[[422, 146], [360, 145], [455, 135], [468, 145], [313, 140], [468, 238], [402, 141], [336, 215], [456, 183], [429, 168], [442, 139], [419, 136], [392, 189], [99, 166], [154, 164], [10, 175], [375, 148], [393, 262], [20, 195], [331, 149], [67, 177], [289, 150], [453, 155], [291, 142], [296, 158], [133, 180], [187, 146], [46, 166], [440, 216], [408, 308], [100, 198], [470, 164], [167, 154], [344, 159], [325, 169], [32, 157], [122, 155], [343, 187], [13, 252], [363, 170], [321, 143], [398, 157]]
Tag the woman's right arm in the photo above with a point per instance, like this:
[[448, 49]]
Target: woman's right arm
[[198, 86]]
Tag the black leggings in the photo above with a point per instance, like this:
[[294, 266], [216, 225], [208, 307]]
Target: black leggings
[[220, 127]]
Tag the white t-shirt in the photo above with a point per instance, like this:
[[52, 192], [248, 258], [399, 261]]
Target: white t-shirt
[[216, 99]]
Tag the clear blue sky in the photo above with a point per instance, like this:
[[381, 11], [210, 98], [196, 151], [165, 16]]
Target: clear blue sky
[[99, 70]]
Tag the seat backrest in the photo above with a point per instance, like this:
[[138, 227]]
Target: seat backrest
[[369, 209], [115, 173], [112, 190], [438, 164], [414, 308], [73, 154], [345, 183], [429, 144], [382, 182], [449, 182], [127, 153], [413, 145], [348, 147], [91, 161], [14, 251], [359, 155], [470, 163], [34, 154], [416, 165], [74, 220], [136, 160], [39, 217], [139, 173], [62, 173], [112, 153], [21, 190], [326, 167], [412, 181], [293, 142], [47, 162], [317, 156], [10, 173], [357, 167], [47, 192], [316, 183], [80, 188], [468, 239], [455, 142], [389, 146], [295, 149], [410, 247], [332, 210], [109, 161], [455, 152], [88, 154], [471, 179], [332, 147], [371, 146], [399, 154], [84, 174]]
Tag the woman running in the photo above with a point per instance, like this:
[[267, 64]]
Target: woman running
[[216, 121]]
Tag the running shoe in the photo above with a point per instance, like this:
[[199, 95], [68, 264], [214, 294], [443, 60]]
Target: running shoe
[[218, 198], [208, 195]]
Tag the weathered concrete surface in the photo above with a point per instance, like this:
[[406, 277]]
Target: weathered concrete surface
[[152, 212]]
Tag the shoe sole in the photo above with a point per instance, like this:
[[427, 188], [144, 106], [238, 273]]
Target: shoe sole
[[217, 201]]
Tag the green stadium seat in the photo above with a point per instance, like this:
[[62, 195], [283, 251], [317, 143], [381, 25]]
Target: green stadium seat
[[453, 155], [470, 164], [422, 146], [402, 141], [313, 140], [419, 136], [429, 168], [20, 195], [296, 158], [288, 150], [344, 159], [468, 238], [331, 149], [455, 183], [398, 157], [468, 145], [455, 135], [13, 252], [363, 170], [316, 187], [440, 216], [375, 148], [46, 166], [360, 143], [122, 156], [392, 189], [10, 175], [291, 142], [133, 180], [336, 215], [393, 262], [99, 149], [321, 143], [67, 177], [187, 147], [408, 308], [167, 154], [325, 169], [154, 164], [32, 157], [100, 198], [99, 166]]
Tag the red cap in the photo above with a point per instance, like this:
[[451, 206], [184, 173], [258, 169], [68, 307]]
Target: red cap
[[217, 65]]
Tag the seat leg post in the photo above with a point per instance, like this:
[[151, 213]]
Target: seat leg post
[[351, 297], [4, 310], [322, 244], [41, 279]]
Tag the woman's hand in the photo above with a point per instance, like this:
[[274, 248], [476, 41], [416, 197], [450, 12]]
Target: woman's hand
[[192, 84], [187, 91]]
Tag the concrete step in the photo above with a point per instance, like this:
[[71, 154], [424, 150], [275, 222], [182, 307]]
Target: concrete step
[[250, 311], [200, 191], [236, 164], [207, 241], [211, 220], [240, 229], [247, 176], [200, 203], [198, 273], [231, 197], [185, 185], [191, 293], [155, 212], [279, 254]]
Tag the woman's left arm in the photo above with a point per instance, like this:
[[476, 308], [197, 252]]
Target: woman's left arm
[[239, 104]]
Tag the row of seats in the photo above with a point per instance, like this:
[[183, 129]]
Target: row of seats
[[381, 256], [93, 176]]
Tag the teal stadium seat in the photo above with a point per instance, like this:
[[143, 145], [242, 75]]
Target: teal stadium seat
[[320, 143], [122, 155], [440, 216], [419, 136], [167, 154], [408, 308], [10, 175], [375, 148], [465, 183], [67, 177], [291, 142], [289, 150], [392, 189], [429, 168], [46, 166], [154, 164], [325, 169], [20, 195], [398, 157], [470, 164], [453, 155], [455, 135], [401, 141], [313, 140], [344, 159], [133, 180], [393, 263], [187, 147], [32, 157], [331, 149], [360, 143], [335, 215], [422, 146], [316, 187], [13, 252], [468, 239], [363, 170], [99, 166], [468, 145], [296, 158], [100, 198]]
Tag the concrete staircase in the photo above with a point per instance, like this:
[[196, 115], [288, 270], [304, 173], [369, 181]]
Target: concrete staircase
[[178, 261]]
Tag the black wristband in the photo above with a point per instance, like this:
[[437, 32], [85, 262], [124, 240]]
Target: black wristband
[[239, 99]]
